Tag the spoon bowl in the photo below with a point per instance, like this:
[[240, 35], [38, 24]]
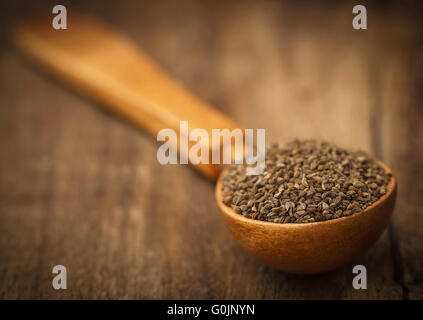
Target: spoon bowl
[[310, 248]]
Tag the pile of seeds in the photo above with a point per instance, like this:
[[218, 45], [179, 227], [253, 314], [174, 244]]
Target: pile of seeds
[[307, 181]]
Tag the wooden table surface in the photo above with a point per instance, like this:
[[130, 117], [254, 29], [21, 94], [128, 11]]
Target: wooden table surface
[[82, 188]]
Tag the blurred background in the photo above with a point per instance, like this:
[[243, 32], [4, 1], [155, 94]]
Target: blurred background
[[82, 188]]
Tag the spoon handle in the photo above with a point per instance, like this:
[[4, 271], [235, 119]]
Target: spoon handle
[[103, 64]]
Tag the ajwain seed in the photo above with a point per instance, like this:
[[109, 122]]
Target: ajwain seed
[[304, 182]]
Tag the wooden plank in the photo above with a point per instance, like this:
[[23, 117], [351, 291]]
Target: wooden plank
[[403, 115], [398, 135], [81, 188], [402, 101]]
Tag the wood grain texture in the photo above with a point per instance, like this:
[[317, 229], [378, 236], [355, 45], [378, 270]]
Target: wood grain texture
[[80, 187], [113, 71]]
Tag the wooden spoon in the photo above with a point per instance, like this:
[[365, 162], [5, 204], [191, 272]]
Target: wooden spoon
[[103, 64]]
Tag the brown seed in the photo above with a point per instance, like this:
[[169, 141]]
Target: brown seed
[[317, 178], [307, 181], [325, 206], [358, 184]]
